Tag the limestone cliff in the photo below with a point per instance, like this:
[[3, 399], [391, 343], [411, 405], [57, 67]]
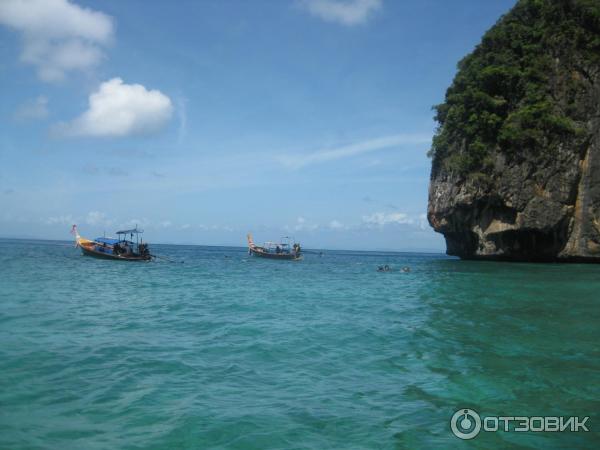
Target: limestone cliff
[[516, 158]]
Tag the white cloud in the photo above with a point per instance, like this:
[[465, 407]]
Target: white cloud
[[213, 227], [301, 225], [336, 225], [322, 156], [140, 224], [117, 109], [57, 35], [36, 108], [381, 219], [60, 220], [97, 218], [346, 12]]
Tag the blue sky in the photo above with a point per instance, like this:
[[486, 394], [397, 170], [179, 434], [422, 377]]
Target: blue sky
[[203, 120]]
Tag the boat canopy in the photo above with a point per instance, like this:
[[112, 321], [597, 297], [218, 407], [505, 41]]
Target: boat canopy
[[132, 231], [274, 244], [107, 241]]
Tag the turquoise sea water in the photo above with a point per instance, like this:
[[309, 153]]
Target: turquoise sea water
[[228, 351]]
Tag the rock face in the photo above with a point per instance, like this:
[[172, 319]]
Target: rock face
[[516, 160]]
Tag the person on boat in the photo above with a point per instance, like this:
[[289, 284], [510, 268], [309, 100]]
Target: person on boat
[[143, 250]]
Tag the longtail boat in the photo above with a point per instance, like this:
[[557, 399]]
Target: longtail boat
[[121, 249], [275, 250]]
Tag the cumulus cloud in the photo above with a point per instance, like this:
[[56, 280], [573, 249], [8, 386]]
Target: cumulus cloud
[[382, 218], [117, 109], [345, 12], [57, 36], [322, 156], [36, 108]]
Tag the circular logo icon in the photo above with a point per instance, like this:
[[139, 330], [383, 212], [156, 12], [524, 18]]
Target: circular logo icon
[[465, 423]]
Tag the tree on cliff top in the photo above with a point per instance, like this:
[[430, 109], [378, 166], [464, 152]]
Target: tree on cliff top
[[520, 91]]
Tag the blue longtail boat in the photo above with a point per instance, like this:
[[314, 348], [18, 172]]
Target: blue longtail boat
[[121, 248]]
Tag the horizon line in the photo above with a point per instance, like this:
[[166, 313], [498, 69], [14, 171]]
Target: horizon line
[[421, 251]]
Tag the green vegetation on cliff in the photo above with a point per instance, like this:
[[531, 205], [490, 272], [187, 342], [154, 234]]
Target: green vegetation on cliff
[[521, 90]]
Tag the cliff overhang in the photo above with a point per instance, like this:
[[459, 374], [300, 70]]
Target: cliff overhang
[[516, 162]]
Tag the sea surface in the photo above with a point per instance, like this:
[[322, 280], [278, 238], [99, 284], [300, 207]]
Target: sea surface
[[221, 350]]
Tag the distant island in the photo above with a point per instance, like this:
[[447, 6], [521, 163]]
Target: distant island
[[516, 156]]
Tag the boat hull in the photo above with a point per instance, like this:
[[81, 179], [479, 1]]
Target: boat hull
[[281, 256], [88, 251]]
